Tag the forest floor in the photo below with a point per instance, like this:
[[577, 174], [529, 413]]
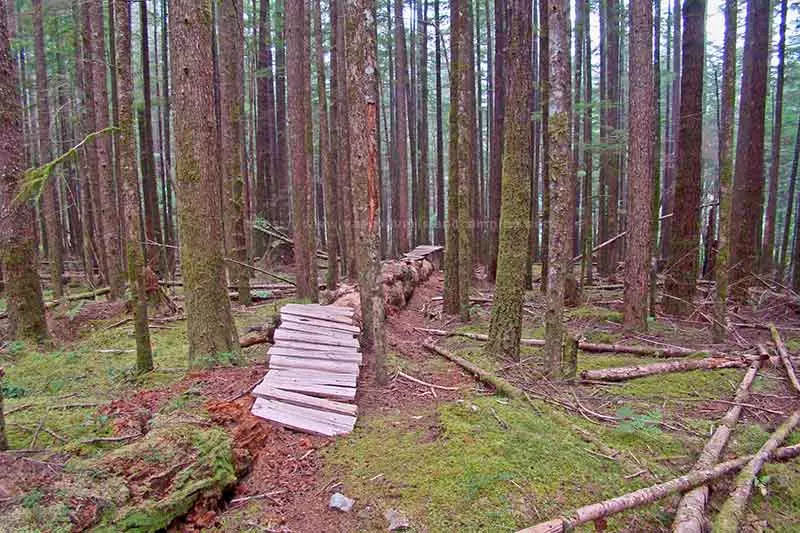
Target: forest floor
[[449, 460]]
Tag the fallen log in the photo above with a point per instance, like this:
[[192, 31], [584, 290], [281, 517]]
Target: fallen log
[[589, 347], [498, 383], [733, 509], [70, 298], [632, 372], [260, 335], [261, 270], [784, 355], [690, 515], [648, 495]]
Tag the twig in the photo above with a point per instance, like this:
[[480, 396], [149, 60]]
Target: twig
[[261, 270], [499, 420], [424, 383], [268, 495], [111, 439]]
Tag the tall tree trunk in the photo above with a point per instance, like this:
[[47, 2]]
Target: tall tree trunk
[[748, 185], [506, 323], [577, 146], [610, 254], [265, 131], [656, 188], [681, 282], [166, 156], [107, 196], [303, 207], [768, 243], [728, 101], [51, 210], [789, 205], [17, 228], [671, 148], [231, 40], [533, 239], [496, 140], [400, 201], [129, 184], [544, 81], [423, 209], [362, 84], [282, 200], [586, 223], [640, 163], [210, 327], [440, 229], [560, 175]]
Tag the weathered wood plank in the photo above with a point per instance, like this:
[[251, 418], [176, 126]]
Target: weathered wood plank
[[347, 394], [288, 362], [339, 326], [317, 330], [318, 378], [329, 309], [313, 347], [310, 354], [304, 419], [263, 390], [317, 314], [299, 336]]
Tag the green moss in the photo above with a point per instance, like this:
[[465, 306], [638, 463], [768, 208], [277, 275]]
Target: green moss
[[599, 314]]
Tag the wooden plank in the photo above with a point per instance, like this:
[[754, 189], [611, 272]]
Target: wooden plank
[[313, 347], [304, 419], [297, 375], [287, 362], [317, 330], [339, 326], [317, 314], [263, 390], [333, 392], [329, 309], [324, 356], [300, 336]]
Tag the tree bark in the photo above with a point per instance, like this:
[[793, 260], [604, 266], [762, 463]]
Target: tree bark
[[265, 129], [400, 199], [282, 199], [561, 178], [640, 163], [544, 81], [496, 140], [440, 196], [610, 255], [748, 184], [17, 221], [129, 185], [671, 146], [169, 228], [506, 322], [787, 225], [210, 327], [423, 210], [588, 163], [633, 372]]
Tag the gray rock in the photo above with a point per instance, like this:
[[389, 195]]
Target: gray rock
[[341, 502], [397, 520]]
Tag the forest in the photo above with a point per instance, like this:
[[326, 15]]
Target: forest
[[425, 265]]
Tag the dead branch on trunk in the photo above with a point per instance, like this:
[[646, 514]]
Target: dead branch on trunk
[[787, 361], [498, 383], [632, 372], [648, 495], [690, 516]]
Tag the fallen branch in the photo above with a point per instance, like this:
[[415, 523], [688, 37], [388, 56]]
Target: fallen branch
[[632, 372], [111, 439], [71, 298], [690, 515], [424, 383], [787, 361], [734, 507], [261, 270], [498, 383], [648, 495]]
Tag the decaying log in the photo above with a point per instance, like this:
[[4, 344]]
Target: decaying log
[[632, 372], [70, 298], [498, 383], [732, 512], [261, 334], [690, 516], [588, 347], [589, 513], [787, 361]]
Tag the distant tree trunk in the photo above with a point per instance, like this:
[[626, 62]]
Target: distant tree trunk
[[544, 81], [169, 228], [326, 161], [496, 140], [282, 200], [423, 209], [789, 205], [748, 185], [266, 155], [210, 327], [656, 188], [231, 40], [561, 177], [400, 200], [452, 293], [297, 92], [51, 210], [107, 197], [362, 82], [680, 284], [671, 149], [602, 203], [22, 288], [577, 146], [588, 163], [440, 229], [640, 163], [506, 323], [129, 184], [610, 254], [728, 101], [768, 243], [533, 239]]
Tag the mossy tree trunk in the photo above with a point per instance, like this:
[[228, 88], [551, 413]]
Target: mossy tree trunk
[[680, 285], [231, 39], [640, 163], [17, 224], [51, 212], [362, 81], [452, 295], [506, 323], [748, 181], [439, 233], [544, 83], [129, 187], [210, 326], [298, 90], [561, 179]]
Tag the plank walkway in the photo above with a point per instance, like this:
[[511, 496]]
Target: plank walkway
[[422, 252], [314, 366]]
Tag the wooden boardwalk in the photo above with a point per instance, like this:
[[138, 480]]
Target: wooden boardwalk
[[423, 252], [314, 366]]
